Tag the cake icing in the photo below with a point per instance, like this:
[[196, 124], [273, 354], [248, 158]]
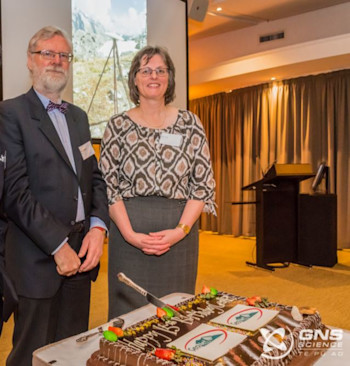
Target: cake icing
[[140, 342]]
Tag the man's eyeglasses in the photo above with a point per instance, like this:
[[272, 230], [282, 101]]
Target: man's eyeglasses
[[147, 71], [51, 55]]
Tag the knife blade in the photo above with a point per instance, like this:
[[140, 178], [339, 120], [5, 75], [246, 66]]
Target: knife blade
[[149, 297]]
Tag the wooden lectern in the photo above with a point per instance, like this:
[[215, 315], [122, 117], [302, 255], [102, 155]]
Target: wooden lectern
[[277, 214]]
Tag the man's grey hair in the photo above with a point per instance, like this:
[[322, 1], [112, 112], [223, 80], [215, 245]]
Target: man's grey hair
[[46, 33]]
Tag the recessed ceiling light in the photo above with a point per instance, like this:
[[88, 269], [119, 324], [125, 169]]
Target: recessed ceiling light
[[273, 78], [218, 8]]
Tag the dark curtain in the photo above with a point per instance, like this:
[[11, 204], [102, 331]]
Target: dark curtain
[[302, 120]]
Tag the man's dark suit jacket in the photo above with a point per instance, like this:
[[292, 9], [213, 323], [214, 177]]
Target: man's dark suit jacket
[[8, 296], [41, 191]]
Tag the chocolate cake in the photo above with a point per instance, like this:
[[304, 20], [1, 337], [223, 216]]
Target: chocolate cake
[[276, 342]]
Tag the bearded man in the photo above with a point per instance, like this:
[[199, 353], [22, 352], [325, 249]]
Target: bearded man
[[55, 202]]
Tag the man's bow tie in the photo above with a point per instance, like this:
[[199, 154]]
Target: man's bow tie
[[61, 107]]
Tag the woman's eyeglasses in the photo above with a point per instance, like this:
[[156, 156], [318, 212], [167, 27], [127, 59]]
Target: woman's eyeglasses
[[147, 71]]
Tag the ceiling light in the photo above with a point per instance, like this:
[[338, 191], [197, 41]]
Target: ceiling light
[[273, 78], [218, 9]]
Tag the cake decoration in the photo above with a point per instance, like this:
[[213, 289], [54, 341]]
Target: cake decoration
[[296, 314], [167, 310], [258, 301], [207, 342], [307, 310], [118, 331], [169, 354], [183, 339], [246, 317], [110, 336], [211, 292]]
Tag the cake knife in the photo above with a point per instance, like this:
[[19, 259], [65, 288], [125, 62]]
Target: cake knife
[[149, 297]]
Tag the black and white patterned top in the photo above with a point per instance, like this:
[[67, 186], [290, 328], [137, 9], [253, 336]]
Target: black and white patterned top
[[135, 163]]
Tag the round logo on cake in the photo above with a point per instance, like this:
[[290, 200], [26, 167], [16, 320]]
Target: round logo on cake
[[208, 338], [276, 341]]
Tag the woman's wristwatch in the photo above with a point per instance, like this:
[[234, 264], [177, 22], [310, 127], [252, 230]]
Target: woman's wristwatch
[[186, 229]]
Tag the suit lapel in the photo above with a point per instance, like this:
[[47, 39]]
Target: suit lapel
[[38, 113]]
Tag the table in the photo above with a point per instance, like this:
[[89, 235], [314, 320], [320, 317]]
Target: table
[[70, 353]]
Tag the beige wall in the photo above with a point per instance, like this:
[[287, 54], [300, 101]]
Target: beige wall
[[20, 19]]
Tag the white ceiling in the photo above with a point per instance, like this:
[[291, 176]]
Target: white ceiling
[[242, 14], [247, 12]]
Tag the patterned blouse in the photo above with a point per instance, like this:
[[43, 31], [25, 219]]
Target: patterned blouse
[[135, 162]]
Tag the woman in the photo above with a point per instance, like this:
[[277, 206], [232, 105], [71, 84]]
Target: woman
[[156, 163]]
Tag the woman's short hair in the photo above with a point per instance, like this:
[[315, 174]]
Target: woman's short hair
[[46, 33], [147, 53]]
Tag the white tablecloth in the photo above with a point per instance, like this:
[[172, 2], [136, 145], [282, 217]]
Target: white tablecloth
[[70, 353]]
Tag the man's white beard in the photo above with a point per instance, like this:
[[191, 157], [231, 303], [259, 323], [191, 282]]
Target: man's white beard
[[49, 81]]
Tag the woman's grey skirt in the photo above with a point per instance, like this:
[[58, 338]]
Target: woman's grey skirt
[[174, 271]]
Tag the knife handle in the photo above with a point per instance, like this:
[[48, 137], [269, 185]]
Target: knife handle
[[122, 278]]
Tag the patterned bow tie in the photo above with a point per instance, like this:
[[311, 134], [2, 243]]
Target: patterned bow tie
[[61, 107]]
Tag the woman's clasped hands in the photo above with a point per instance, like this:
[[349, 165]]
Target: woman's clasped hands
[[156, 243]]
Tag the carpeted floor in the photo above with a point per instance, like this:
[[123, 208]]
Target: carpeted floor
[[222, 265]]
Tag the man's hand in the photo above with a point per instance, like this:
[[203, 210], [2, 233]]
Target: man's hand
[[67, 261], [92, 248]]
